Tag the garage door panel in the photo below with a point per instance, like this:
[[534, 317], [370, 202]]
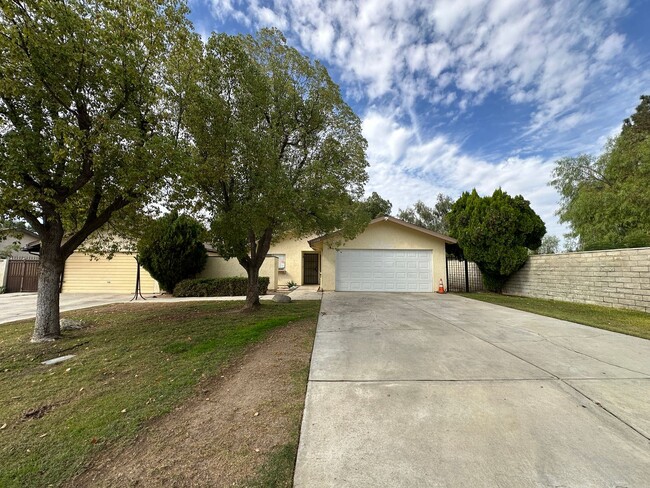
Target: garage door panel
[[85, 275], [384, 270]]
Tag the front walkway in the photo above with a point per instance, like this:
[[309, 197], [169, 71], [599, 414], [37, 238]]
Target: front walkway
[[306, 292], [22, 306], [429, 390]]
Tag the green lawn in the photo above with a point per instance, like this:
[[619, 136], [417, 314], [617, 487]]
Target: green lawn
[[629, 322], [131, 364]]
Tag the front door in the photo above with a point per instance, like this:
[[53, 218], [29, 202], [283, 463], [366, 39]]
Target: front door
[[310, 269]]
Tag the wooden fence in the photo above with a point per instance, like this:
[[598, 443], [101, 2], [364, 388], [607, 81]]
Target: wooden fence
[[22, 275]]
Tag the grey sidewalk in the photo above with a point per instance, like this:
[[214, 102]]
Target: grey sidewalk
[[429, 390], [22, 306]]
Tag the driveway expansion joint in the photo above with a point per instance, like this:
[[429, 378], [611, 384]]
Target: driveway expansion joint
[[478, 380], [565, 382]]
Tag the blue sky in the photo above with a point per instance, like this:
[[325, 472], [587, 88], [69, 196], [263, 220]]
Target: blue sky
[[455, 95]]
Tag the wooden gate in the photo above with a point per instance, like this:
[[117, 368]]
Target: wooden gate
[[22, 275]]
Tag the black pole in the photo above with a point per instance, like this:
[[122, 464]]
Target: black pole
[[137, 293], [466, 277], [61, 281]]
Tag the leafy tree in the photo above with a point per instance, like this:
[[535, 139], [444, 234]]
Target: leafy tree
[[6, 224], [86, 120], [7, 250], [432, 218], [277, 150], [606, 199], [172, 249], [10, 236], [570, 244], [496, 233], [550, 245], [376, 206], [636, 128]]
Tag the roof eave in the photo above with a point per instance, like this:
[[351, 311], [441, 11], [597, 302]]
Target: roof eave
[[408, 225]]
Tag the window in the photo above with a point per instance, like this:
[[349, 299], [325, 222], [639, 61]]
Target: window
[[282, 261]]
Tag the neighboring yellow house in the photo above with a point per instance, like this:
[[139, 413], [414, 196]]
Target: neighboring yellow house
[[389, 255], [84, 274]]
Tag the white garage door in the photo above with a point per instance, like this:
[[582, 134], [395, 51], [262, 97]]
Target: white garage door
[[383, 270]]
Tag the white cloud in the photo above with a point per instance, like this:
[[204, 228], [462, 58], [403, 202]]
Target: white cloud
[[611, 46], [222, 9], [269, 18], [539, 52], [404, 170]]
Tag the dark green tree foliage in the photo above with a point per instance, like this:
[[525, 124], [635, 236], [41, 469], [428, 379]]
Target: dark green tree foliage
[[496, 233], [606, 199], [376, 206], [432, 218], [172, 249], [277, 150]]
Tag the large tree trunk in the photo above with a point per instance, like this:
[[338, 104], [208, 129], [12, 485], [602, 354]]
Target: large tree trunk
[[252, 263], [51, 266], [253, 291]]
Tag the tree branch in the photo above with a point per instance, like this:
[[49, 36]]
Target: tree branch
[[92, 224], [33, 221]]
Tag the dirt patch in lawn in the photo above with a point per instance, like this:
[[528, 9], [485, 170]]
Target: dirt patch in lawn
[[229, 433]]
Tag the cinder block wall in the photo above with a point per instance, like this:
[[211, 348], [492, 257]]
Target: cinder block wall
[[614, 278]]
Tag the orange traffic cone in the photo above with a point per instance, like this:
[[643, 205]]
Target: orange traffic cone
[[441, 287]]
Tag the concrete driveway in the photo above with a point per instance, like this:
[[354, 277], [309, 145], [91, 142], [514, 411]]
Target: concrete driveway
[[409, 390]]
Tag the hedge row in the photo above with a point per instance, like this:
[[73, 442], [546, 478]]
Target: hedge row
[[217, 287]]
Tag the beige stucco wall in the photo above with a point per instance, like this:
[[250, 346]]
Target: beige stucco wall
[[218, 267], [117, 275], [4, 265], [613, 278], [385, 235], [293, 249]]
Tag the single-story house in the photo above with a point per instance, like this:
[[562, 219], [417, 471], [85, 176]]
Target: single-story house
[[389, 255]]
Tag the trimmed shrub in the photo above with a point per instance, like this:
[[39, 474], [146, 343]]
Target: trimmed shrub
[[172, 250], [218, 287]]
